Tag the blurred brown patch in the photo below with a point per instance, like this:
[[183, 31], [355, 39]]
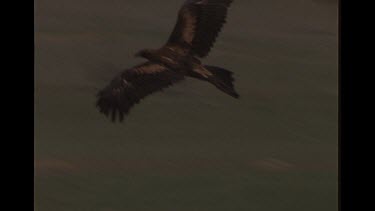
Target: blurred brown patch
[[50, 166], [272, 164]]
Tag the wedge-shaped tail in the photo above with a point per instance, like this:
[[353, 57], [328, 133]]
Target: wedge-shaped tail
[[222, 79]]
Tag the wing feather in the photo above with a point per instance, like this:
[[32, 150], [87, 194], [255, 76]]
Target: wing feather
[[128, 88], [198, 25]]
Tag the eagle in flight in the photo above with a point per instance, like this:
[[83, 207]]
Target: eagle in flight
[[198, 24]]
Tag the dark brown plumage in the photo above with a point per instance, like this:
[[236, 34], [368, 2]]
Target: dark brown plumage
[[198, 24]]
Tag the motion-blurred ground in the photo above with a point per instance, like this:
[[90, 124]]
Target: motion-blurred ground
[[191, 147]]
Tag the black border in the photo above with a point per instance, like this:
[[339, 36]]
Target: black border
[[349, 54], [17, 100]]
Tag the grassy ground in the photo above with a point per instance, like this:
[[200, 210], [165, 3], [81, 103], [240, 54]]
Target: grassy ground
[[190, 147]]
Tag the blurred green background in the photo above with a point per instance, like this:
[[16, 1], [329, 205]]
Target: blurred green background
[[190, 147]]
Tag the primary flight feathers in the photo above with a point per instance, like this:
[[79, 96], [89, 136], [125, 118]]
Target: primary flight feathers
[[132, 85], [198, 24]]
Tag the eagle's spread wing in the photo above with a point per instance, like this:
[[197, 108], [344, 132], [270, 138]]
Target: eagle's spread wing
[[128, 88], [198, 24]]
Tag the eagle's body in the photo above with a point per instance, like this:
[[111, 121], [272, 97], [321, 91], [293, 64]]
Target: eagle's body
[[198, 24], [176, 59]]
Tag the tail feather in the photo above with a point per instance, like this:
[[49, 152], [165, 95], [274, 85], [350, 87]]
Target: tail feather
[[222, 79]]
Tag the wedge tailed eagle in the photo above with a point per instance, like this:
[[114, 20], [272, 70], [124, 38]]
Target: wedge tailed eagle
[[198, 25]]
